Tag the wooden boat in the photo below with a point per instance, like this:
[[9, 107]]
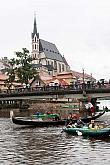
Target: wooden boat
[[85, 131], [45, 123], [38, 122]]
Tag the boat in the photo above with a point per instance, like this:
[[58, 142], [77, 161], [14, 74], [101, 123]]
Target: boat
[[38, 122], [45, 116], [88, 119], [85, 131], [45, 123]]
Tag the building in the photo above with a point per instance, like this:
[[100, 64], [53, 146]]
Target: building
[[70, 78], [4, 64], [46, 55]]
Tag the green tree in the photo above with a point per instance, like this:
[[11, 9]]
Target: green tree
[[22, 68], [11, 73]]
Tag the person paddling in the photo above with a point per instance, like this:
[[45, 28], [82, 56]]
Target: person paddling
[[79, 123]]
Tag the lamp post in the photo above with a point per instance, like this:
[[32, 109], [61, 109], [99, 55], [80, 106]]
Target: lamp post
[[91, 77], [83, 84], [83, 81], [83, 76]]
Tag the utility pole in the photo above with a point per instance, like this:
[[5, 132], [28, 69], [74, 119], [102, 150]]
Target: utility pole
[[83, 84]]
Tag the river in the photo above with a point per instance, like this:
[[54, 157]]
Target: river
[[40, 146], [104, 103]]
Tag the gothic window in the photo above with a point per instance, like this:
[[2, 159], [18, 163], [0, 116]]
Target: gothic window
[[48, 63], [52, 63], [35, 39], [63, 67], [55, 65], [35, 55], [35, 46], [59, 67]]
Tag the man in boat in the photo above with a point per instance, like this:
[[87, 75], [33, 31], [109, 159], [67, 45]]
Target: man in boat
[[73, 116], [93, 125], [79, 123], [90, 108], [70, 124]]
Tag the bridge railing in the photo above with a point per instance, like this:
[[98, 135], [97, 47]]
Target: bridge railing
[[47, 88]]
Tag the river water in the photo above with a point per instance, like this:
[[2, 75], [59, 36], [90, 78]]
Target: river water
[[104, 103], [40, 146]]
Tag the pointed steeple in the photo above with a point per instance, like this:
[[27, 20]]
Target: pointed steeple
[[35, 28]]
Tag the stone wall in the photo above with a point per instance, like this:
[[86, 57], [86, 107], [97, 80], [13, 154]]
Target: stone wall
[[52, 108]]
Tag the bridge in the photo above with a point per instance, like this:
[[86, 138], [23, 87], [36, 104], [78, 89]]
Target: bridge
[[55, 92]]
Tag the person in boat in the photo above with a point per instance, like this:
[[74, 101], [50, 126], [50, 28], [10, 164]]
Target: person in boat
[[93, 125], [70, 124], [90, 108], [57, 118], [48, 112], [92, 111], [106, 109], [79, 123], [72, 116]]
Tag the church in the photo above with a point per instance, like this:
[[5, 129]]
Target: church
[[46, 56]]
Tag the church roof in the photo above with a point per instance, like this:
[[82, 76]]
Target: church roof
[[50, 50]]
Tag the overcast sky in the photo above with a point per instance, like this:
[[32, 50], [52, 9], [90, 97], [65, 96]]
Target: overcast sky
[[79, 28]]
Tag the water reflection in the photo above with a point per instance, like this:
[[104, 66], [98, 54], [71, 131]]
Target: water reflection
[[38, 146]]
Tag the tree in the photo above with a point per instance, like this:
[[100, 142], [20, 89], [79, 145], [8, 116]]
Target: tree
[[10, 73], [22, 68]]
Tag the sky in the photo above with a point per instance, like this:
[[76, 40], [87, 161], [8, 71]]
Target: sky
[[79, 28]]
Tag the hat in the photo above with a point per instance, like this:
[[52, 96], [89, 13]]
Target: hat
[[92, 121]]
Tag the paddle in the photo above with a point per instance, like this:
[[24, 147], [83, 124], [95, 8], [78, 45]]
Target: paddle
[[79, 133], [11, 114]]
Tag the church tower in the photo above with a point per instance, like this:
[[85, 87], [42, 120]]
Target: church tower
[[35, 43]]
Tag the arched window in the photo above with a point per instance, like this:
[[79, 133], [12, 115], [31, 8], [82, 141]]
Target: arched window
[[35, 55], [35, 39], [63, 67], [35, 46], [59, 67], [55, 65]]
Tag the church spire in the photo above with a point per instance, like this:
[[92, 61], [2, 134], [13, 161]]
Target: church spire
[[35, 28]]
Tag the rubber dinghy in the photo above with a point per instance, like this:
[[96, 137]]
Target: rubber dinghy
[[85, 131]]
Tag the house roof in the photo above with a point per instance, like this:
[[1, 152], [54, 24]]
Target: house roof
[[3, 77], [80, 75], [75, 74], [57, 80]]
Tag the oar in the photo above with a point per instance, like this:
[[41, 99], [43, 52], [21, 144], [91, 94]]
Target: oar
[[62, 131], [11, 114]]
